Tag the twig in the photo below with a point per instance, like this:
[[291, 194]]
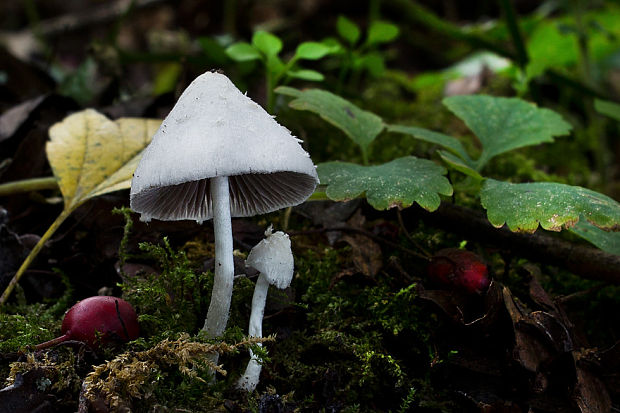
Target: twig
[[408, 235], [566, 299], [587, 262]]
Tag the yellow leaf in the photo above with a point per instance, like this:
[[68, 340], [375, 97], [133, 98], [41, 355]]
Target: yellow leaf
[[92, 155]]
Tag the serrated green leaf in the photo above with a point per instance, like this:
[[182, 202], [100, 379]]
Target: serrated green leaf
[[312, 51], [605, 240], [502, 124], [360, 126], [398, 183], [267, 43], [381, 32], [243, 52], [448, 142], [348, 30], [306, 74], [555, 206], [607, 108]]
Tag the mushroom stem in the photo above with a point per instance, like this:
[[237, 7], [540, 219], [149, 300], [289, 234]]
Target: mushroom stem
[[217, 316], [249, 380]]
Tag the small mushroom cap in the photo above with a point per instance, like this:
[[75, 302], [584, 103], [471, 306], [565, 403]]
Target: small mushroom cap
[[273, 258], [215, 130]]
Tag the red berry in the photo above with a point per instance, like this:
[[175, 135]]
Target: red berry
[[459, 269], [98, 321]]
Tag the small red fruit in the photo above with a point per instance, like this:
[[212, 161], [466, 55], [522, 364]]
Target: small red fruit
[[459, 269], [98, 321]]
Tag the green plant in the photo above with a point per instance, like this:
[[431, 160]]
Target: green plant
[[358, 56], [500, 124], [266, 47]]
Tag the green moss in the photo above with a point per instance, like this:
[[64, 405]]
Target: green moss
[[360, 341], [171, 301], [23, 324]]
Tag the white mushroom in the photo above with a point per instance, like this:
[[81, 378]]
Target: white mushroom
[[219, 155], [274, 259]]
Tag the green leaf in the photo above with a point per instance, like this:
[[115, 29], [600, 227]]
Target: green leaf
[[312, 51], [213, 50], [458, 164], [523, 206], [548, 47], [306, 74], [398, 183], [267, 43], [374, 63], [381, 32], [554, 43], [607, 108], [166, 78], [605, 240], [275, 66], [81, 84], [335, 47], [243, 52], [360, 126], [448, 142], [348, 30], [502, 124]]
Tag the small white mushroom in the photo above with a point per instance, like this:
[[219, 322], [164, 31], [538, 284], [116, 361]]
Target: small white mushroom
[[274, 259], [219, 155]]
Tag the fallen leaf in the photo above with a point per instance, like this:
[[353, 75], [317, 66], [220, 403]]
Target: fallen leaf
[[365, 253], [589, 392], [13, 118], [92, 155]]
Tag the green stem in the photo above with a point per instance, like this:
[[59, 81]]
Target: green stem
[[28, 185], [374, 10], [35, 251], [420, 15], [515, 33], [230, 17], [270, 94], [596, 125]]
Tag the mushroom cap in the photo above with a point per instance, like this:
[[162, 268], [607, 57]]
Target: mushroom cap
[[215, 130], [273, 258]]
